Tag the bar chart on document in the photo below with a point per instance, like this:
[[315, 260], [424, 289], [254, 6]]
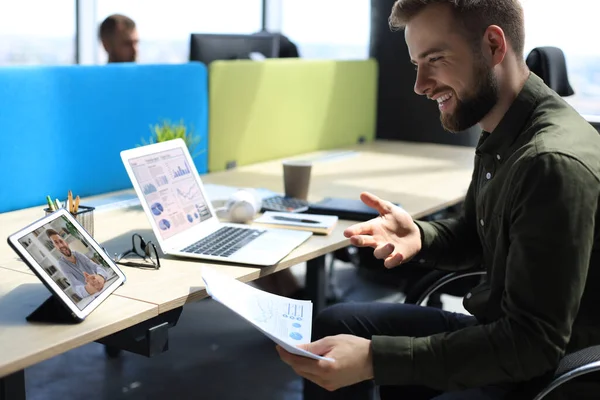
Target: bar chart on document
[[284, 318], [295, 315]]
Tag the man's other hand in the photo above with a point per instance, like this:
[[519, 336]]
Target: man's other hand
[[353, 361]]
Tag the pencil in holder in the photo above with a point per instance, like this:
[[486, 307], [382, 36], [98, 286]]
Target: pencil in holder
[[85, 217]]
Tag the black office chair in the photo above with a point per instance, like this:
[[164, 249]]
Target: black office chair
[[573, 365], [549, 64], [287, 48]]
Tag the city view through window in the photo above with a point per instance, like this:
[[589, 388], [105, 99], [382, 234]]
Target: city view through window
[[43, 32]]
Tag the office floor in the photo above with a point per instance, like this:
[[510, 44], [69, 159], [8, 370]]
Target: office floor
[[213, 354]]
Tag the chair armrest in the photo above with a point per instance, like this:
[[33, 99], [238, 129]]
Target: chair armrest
[[572, 365], [578, 359], [434, 281]]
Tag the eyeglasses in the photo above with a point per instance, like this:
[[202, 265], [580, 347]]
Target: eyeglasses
[[141, 248]]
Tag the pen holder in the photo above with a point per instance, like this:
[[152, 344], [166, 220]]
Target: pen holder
[[84, 215]]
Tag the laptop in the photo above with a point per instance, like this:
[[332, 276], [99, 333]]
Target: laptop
[[183, 218]]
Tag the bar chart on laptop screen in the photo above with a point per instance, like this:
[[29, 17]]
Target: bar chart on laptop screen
[[148, 188], [179, 168]]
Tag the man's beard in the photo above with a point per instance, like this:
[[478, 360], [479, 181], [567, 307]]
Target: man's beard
[[474, 108]]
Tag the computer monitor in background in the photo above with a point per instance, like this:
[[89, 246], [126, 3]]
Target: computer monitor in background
[[207, 48]]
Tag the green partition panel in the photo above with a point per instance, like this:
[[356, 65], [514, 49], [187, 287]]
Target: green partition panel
[[282, 107]]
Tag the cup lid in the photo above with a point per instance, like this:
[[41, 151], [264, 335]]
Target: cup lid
[[297, 163]]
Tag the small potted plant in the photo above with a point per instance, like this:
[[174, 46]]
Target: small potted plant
[[166, 130]]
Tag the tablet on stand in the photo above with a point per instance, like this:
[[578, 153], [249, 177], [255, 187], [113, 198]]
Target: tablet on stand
[[70, 263]]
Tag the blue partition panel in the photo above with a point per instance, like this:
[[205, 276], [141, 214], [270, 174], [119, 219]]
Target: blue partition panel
[[64, 127]]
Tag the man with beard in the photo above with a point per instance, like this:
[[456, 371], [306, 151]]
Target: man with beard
[[530, 220], [85, 276]]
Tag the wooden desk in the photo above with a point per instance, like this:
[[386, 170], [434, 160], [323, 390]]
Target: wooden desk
[[424, 178], [23, 343], [179, 280]]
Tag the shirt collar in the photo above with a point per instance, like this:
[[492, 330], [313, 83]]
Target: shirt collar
[[498, 143]]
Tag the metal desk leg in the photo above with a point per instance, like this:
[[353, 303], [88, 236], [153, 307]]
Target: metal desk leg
[[316, 283], [12, 387]]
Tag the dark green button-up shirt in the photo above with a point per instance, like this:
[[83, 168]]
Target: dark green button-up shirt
[[531, 220]]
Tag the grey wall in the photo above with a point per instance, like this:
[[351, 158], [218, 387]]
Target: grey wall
[[402, 114]]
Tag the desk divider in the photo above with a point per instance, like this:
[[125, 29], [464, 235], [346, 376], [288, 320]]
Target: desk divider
[[282, 107], [63, 127]]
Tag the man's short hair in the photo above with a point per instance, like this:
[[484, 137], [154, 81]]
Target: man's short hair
[[51, 232], [113, 23], [475, 17]]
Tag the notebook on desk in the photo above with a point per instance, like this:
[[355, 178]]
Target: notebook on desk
[[320, 224], [182, 217]]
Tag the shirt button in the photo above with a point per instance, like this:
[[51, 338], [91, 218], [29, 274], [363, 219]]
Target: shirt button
[[481, 222], [488, 175], [421, 261], [468, 296], [498, 157]]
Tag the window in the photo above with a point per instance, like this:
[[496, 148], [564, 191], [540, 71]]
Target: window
[[37, 32], [338, 29], [547, 24], [164, 27]]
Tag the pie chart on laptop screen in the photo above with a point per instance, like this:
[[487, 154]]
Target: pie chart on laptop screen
[[164, 224], [157, 209]]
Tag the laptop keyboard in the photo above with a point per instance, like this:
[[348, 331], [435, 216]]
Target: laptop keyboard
[[224, 242]]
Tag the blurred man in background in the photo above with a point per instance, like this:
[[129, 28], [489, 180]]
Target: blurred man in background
[[119, 38]]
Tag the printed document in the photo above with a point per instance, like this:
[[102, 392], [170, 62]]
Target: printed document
[[286, 321]]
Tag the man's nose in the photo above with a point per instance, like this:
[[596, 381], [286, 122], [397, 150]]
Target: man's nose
[[423, 82]]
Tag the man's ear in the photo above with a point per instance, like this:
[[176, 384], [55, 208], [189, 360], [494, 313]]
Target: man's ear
[[494, 44], [106, 45]]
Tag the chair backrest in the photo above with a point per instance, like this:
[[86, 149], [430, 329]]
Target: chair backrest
[[549, 64], [287, 48]]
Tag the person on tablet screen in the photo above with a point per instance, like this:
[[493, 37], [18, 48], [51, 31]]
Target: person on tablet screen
[[85, 275]]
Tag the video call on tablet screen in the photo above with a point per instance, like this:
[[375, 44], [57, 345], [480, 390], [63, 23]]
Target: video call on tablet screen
[[69, 260]]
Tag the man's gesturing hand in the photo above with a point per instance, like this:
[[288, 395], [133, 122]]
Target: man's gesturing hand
[[394, 235]]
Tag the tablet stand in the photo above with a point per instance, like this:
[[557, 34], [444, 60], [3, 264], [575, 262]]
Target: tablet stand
[[53, 311]]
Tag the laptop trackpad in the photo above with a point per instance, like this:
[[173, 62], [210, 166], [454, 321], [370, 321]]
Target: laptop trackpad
[[271, 245]]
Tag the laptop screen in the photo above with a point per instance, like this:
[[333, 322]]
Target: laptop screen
[[170, 191]]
